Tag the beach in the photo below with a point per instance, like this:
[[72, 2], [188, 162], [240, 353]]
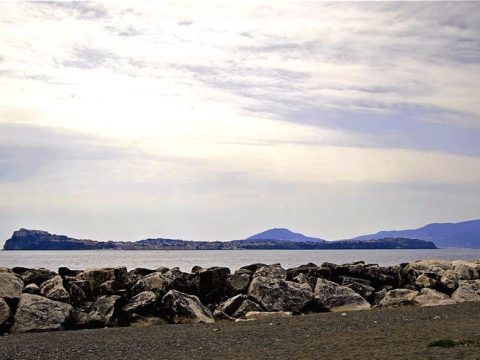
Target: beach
[[394, 333]]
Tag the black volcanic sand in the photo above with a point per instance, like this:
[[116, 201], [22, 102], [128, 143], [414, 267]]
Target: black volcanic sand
[[399, 333]]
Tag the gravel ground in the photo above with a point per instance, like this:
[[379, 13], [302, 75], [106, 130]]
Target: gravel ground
[[399, 333]]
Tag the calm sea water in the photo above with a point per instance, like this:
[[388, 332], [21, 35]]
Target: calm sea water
[[186, 259]]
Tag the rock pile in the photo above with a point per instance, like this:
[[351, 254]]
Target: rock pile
[[42, 300]]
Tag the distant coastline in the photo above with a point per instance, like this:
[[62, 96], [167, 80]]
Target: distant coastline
[[24, 239]]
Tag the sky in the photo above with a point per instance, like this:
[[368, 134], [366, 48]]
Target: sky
[[217, 120]]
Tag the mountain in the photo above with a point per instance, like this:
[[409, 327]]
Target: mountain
[[24, 239], [445, 235], [283, 234]]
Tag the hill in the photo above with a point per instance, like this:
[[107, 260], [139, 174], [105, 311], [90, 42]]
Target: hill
[[446, 235], [283, 234]]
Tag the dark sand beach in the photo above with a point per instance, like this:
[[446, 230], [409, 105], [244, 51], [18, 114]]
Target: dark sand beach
[[394, 333]]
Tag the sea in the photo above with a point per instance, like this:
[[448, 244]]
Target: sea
[[233, 259]]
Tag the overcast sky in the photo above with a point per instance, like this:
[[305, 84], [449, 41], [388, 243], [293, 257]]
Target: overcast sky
[[196, 120]]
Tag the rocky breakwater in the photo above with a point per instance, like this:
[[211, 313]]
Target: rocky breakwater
[[43, 300]]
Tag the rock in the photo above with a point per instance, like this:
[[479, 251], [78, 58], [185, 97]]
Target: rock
[[246, 307], [10, 286], [338, 298], [36, 276], [381, 276], [220, 315], [231, 305], [4, 312], [183, 282], [143, 304], [237, 284], [32, 289], [378, 296], [106, 311], [431, 266], [110, 287], [36, 313], [77, 295], [468, 290], [398, 297], [155, 282], [54, 290], [305, 279], [78, 320], [197, 269], [274, 271], [243, 272], [211, 284], [360, 287], [64, 271], [257, 315], [96, 277], [253, 267], [181, 308], [431, 297], [426, 280], [275, 294]]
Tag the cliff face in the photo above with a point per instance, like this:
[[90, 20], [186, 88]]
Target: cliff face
[[24, 239]]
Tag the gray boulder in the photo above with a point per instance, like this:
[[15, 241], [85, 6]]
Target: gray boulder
[[155, 282], [4, 312], [32, 289], [431, 297], [106, 311], [10, 286], [34, 276], [54, 290], [274, 271], [467, 290], [143, 304], [97, 277], [231, 305], [276, 294], [181, 308], [210, 284], [398, 297], [237, 284], [246, 307], [36, 313], [338, 298]]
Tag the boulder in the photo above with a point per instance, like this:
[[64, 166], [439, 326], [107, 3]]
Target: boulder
[[96, 277], [143, 304], [32, 289], [78, 320], [276, 294], [231, 305], [211, 283], [106, 311], [237, 284], [64, 271], [426, 280], [77, 295], [398, 297], [220, 315], [431, 297], [138, 273], [35, 276], [54, 290], [181, 308], [246, 306], [10, 286], [155, 282], [257, 315], [378, 296], [110, 287], [339, 298], [360, 287], [181, 281], [274, 271], [4, 312], [467, 290], [37, 313], [252, 267], [305, 279]]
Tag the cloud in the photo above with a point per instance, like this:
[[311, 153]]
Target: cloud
[[185, 22]]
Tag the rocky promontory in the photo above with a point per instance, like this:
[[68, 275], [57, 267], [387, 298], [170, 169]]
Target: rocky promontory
[[34, 300]]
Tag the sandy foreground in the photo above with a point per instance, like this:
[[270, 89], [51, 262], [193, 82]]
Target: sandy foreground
[[394, 333]]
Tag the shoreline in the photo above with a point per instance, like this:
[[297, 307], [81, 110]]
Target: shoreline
[[398, 333]]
